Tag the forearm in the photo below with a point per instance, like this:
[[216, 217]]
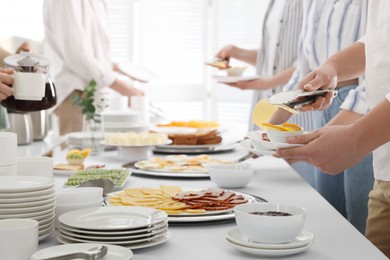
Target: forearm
[[281, 78], [344, 117], [373, 129], [349, 63], [248, 56]]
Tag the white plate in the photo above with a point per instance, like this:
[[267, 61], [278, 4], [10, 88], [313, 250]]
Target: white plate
[[27, 195], [45, 235], [174, 130], [270, 252], [135, 170], [154, 242], [234, 79], [274, 146], [112, 218], [64, 172], [22, 209], [235, 235], [18, 184], [141, 231], [115, 241], [28, 215], [113, 253], [24, 204], [27, 198], [247, 145], [133, 146]]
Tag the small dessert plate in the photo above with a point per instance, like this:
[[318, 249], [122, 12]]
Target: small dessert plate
[[235, 235], [247, 145], [274, 146]]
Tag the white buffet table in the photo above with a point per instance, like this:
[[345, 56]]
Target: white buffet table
[[275, 181]]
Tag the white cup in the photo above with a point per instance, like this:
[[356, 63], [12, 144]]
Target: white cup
[[79, 195], [139, 103], [19, 238], [29, 86], [35, 166], [8, 145], [9, 170]]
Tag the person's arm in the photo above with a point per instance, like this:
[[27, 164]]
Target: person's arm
[[231, 51], [336, 148], [266, 83]]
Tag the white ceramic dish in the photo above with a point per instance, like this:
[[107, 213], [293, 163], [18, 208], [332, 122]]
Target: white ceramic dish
[[28, 195], [27, 199], [260, 144], [270, 252], [24, 204], [174, 130], [133, 146], [234, 79], [236, 236], [247, 145], [28, 215], [113, 253], [79, 195], [22, 209], [277, 136], [141, 231], [270, 228], [151, 243], [231, 175], [112, 218], [19, 184], [118, 240]]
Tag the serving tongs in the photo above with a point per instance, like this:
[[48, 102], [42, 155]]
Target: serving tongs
[[295, 99]]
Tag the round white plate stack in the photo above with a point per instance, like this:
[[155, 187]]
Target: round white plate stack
[[131, 227], [29, 197]]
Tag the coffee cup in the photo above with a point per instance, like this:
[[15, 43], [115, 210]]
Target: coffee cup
[[29, 86], [19, 238]]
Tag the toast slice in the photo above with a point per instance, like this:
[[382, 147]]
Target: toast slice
[[68, 167]]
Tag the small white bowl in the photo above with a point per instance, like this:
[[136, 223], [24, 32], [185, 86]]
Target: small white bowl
[[277, 136], [231, 175], [236, 71], [269, 229]]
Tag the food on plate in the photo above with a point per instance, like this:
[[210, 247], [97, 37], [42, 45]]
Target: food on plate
[[68, 167], [219, 63], [118, 176], [201, 137], [76, 156], [283, 127], [192, 123], [173, 200], [236, 71], [179, 163], [136, 139]]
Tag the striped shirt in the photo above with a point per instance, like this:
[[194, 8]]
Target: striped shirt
[[328, 27], [279, 43]]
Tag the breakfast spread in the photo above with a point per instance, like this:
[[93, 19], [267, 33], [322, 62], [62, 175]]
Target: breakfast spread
[[201, 137], [179, 163], [173, 200], [135, 139], [117, 176]]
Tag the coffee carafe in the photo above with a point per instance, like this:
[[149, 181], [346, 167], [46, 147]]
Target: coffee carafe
[[34, 89]]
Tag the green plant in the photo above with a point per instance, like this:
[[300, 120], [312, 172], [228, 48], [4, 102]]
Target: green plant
[[87, 100]]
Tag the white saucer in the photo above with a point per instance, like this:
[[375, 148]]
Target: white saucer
[[270, 252], [113, 253], [234, 79], [274, 146], [247, 145], [235, 235]]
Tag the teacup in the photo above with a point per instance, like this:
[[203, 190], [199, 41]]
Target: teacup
[[35, 166]]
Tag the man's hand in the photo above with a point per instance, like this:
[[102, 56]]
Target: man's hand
[[332, 149], [25, 46], [226, 52], [6, 81]]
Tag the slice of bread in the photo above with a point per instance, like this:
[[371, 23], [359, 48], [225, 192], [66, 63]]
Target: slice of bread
[[68, 167], [220, 64]]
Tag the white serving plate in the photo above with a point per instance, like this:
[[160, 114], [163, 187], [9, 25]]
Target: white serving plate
[[269, 252], [247, 145], [113, 253], [19, 184], [234, 79], [151, 243], [235, 235], [112, 218], [28, 215], [23, 204], [20, 210]]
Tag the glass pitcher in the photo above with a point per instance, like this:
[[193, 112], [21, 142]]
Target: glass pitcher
[[27, 66]]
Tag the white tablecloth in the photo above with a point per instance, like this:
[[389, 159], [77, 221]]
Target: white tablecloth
[[335, 237]]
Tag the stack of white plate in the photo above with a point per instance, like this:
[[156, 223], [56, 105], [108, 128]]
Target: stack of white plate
[[131, 227], [125, 121], [29, 197]]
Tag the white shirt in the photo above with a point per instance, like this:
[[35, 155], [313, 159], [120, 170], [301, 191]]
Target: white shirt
[[377, 46], [279, 43], [77, 45]]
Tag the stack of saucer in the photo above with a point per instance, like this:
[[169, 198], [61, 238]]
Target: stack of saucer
[[29, 197], [131, 227], [299, 244]]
